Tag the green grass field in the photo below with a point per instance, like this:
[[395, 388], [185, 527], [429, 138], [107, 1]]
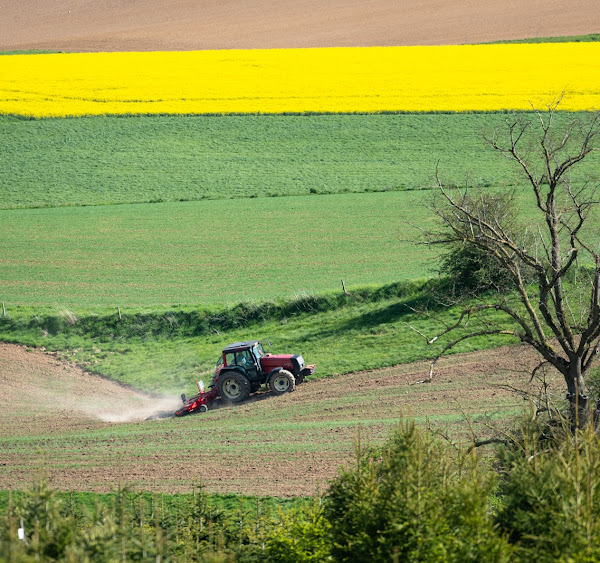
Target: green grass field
[[146, 256], [199, 253], [93, 161], [590, 37]]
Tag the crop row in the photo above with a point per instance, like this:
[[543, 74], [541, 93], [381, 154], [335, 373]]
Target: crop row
[[361, 79]]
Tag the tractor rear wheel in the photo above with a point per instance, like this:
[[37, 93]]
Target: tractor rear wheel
[[282, 382], [233, 387]]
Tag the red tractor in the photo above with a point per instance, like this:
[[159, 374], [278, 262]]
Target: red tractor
[[244, 368]]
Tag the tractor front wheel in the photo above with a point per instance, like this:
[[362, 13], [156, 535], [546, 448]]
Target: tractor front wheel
[[233, 387], [282, 382]]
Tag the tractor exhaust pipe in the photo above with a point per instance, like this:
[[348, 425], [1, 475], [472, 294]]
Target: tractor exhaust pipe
[[183, 398]]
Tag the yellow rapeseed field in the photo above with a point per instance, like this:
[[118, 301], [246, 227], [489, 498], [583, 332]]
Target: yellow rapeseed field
[[370, 79]]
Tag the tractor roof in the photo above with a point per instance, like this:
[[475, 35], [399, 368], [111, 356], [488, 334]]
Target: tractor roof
[[240, 345]]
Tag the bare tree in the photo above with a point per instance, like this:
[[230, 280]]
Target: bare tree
[[559, 313]]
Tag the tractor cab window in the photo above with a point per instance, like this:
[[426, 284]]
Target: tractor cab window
[[241, 358], [244, 358], [258, 351]]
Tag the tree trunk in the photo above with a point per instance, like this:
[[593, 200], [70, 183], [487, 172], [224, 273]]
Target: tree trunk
[[597, 415], [577, 395]]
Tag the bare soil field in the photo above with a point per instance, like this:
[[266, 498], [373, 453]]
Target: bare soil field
[[91, 434], [147, 25]]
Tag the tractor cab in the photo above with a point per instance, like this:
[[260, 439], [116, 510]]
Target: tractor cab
[[244, 367], [246, 355]]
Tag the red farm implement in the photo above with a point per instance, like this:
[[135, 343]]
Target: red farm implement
[[199, 402]]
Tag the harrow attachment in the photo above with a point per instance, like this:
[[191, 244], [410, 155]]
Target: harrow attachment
[[199, 402]]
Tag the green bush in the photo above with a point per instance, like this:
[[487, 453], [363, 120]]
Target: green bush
[[468, 267], [551, 494], [414, 499], [125, 527], [49, 533], [300, 536]]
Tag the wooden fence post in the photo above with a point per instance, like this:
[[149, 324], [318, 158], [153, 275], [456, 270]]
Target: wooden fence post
[[344, 288]]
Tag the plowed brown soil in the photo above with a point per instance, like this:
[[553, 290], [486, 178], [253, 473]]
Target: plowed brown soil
[[57, 417], [146, 25]]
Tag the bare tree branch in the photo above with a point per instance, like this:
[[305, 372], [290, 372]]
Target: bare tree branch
[[547, 321]]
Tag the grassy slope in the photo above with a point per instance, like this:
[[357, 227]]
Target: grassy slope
[[93, 161], [166, 351]]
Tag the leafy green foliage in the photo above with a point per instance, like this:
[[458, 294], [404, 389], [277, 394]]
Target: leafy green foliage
[[139, 527], [301, 535], [550, 502], [417, 499], [50, 532], [469, 268], [413, 499]]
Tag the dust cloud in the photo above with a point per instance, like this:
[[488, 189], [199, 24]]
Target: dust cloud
[[151, 407], [39, 383]]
